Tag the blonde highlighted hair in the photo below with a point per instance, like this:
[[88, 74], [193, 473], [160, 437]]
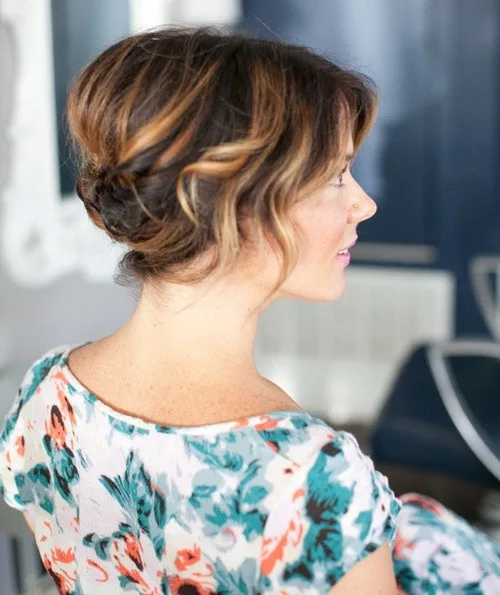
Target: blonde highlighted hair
[[183, 133]]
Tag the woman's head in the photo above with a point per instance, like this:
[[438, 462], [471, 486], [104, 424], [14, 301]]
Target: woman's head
[[200, 148]]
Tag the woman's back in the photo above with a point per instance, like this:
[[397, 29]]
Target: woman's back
[[272, 503]]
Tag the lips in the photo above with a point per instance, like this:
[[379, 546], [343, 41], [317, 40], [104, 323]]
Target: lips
[[344, 256], [346, 249]]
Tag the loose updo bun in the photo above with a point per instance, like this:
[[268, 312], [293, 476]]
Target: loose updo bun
[[184, 132]]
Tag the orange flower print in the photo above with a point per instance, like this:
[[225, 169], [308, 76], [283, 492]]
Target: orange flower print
[[43, 537], [187, 558], [133, 575], [277, 541], [424, 502], [179, 585], [267, 424], [104, 576], [55, 428], [127, 560], [272, 446], [133, 549], [128, 548], [20, 445], [63, 556], [61, 567], [402, 547]]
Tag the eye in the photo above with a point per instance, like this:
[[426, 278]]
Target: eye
[[339, 180]]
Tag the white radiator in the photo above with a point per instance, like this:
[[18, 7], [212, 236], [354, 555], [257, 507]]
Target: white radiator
[[337, 360]]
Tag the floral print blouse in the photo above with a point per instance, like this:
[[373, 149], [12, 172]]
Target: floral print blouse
[[278, 503]]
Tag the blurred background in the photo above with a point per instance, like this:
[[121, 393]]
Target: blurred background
[[409, 358]]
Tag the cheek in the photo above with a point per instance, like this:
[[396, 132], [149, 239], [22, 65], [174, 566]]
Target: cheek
[[326, 233], [336, 231], [321, 225]]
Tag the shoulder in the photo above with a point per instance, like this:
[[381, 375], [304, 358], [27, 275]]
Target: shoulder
[[41, 368], [19, 450], [32, 379], [335, 511]]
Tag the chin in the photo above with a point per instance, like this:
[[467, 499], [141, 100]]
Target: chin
[[320, 287], [338, 288], [322, 293], [335, 294]]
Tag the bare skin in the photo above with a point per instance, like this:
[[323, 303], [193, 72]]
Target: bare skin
[[186, 356], [187, 345]]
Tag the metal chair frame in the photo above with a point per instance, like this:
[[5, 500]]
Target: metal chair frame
[[453, 399]]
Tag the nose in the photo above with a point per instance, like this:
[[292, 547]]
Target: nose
[[365, 208]]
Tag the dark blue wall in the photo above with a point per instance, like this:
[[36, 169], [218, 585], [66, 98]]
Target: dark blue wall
[[80, 29], [432, 161]]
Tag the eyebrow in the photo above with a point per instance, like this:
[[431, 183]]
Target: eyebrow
[[349, 157]]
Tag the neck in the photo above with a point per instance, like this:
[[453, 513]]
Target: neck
[[208, 332]]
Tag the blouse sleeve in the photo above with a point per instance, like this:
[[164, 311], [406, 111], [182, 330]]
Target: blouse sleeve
[[12, 450], [334, 512], [22, 474]]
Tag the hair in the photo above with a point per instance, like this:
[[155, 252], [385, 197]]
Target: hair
[[183, 134]]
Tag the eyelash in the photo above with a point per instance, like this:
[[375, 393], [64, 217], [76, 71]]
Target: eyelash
[[338, 181]]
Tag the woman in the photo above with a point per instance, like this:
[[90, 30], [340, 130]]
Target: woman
[[158, 459]]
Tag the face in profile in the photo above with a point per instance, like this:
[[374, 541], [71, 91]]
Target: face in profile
[[326, 223]]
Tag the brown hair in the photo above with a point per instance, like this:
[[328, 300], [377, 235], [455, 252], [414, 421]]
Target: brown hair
[[185, 132]]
